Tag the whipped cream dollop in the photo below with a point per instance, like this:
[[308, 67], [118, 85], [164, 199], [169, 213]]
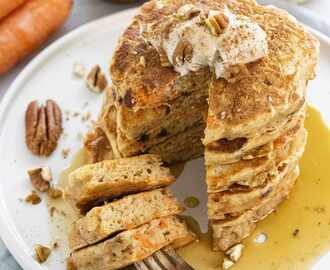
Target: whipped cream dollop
[[241, 42]]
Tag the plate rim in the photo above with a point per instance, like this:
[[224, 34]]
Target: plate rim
[[8, 231]]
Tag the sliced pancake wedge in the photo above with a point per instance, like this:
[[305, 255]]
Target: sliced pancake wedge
[[227, 233], [93, 184], [124, 214], [133, 245]]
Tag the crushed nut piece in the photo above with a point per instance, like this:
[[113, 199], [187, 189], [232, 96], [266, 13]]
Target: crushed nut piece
[[222, 115], [78, 70], [40, 178], [52, 211], [183, 52], [65, 153], [46, 174], [217, 23], [96, 80], [188, 11], [55, 245], [43, 127], [164, 62], [33, 198], [235, 252], [261, 238], [42, 253], [142, 62], [54, 193], [226, 264], [295, 232], [235, 73], [86, 117]]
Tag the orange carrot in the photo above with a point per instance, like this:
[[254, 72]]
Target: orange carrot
[[7, 6], [27, 27]]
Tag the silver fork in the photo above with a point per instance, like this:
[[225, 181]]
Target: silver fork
[[164, 259]]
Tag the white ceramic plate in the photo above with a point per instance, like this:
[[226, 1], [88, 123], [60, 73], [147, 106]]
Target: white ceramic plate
[[50, 76]]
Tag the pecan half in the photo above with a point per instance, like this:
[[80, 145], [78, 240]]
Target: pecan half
[[217, 23], [43, 127], [183, 52]]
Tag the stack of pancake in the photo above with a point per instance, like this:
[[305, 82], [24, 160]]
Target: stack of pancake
[[252, 120]]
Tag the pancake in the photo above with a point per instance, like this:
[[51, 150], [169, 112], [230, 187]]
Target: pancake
[[133, 245], [124, 214], [252, 171], [230, 232], [233, 203], [228, 151], [279, 75], [150, 121], [93, 184]]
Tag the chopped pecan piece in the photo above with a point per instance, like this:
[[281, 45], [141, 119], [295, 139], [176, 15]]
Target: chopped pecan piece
[[183, 52], [217, 23], [43, 127], [33, 198], [96, 81], [78, 70], [40, 178], [188, 11], [42, 253], [164, 62]]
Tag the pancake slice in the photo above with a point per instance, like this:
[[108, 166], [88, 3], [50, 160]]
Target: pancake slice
[[133, 245], [227, 233], [94, 184], [124, 214]]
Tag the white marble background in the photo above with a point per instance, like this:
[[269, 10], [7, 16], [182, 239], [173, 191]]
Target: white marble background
[[85, 11]]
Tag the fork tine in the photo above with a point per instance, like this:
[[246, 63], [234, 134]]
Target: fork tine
[[152, 263], [141, 266], [163, 259], [175, 258]]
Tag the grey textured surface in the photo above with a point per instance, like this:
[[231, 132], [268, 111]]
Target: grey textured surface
[[85, 11]]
